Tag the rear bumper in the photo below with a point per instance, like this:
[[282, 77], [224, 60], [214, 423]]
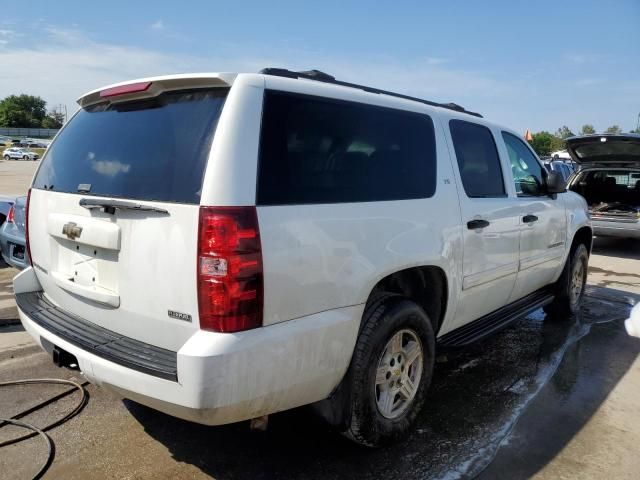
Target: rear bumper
[[225, 378], [616, 229]]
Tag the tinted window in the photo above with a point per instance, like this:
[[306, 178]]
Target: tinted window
[[316, 150], [527, 171], [149, 150], [477, 159]]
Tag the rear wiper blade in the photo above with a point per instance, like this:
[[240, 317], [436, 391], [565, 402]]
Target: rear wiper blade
[[110, 206]]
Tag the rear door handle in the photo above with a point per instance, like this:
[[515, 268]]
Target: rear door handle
[[529, 219], [475, 224]]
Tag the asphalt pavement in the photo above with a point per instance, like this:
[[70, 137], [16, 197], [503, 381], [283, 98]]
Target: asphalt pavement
[[540, 399]]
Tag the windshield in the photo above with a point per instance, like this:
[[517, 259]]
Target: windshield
[[148, 150]]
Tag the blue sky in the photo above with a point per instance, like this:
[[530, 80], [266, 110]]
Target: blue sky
[[531, 64]]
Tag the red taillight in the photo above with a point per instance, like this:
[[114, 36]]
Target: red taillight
[[229, 269], [124, 89], [11, 214], [26, 226]]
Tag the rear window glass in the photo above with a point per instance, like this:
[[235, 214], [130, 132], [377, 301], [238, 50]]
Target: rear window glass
[[624, 150], [478, 159], [147, 150], [317, 150]]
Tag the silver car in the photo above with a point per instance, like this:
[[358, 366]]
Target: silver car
[[609, 179], [14, 153], [12, 236]]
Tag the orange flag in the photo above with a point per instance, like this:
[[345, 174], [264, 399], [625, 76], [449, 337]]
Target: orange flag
[[527, 136]]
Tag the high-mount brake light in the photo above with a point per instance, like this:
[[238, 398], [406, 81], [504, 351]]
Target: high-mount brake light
[[125, 89], [230, 283]]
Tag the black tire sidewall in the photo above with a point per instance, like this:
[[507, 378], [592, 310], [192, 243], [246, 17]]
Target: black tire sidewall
[[579, 255], [398, 313]]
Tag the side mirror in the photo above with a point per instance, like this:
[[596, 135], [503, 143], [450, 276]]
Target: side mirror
[[555, 183]]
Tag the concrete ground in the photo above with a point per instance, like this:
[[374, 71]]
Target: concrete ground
[[540, 399]]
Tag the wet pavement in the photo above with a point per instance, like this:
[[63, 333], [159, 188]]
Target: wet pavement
[[503, 408], [540, 399]]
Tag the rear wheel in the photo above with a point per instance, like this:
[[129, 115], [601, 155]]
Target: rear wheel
[[391, 370], [570, 286], [7, 157], [26, 157]]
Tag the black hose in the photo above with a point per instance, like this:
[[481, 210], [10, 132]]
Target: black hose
[[36, 431], [41, 431]]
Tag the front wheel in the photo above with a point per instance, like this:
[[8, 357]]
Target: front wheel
[[569, 289], [25, 158], [391, 371], [7, 157]]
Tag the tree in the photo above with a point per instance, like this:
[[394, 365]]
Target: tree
[[543, 143], [637, 130], [22, 111], [587, 129], [614, 129], [54, 119], [564, 132]]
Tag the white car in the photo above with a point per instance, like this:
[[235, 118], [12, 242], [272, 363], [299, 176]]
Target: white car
[[15, 153], [323, 239]]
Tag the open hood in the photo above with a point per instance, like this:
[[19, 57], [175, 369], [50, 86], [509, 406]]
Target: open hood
[[606, 149]]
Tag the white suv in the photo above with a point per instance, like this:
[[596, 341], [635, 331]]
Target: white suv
[[221, 247]]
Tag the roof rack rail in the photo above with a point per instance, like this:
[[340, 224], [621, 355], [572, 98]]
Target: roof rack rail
[[325, 77]]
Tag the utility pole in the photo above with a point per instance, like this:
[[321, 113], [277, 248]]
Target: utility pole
[[63, 110]]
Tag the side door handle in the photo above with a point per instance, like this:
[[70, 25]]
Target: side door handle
[[529, 219], [475, 224]]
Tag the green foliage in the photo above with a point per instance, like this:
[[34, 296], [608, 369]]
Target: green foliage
[[635, 130], [22, 111], [544, 143], [53, 120], [587, 129], [613, 129], [564, 132]]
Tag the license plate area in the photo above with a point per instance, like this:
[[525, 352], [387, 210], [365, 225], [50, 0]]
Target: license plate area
[[17, 251]]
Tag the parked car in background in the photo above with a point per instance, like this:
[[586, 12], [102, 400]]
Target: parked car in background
[[15, 153], [12, 235], [5, 205], [609, 179], [564, 169]]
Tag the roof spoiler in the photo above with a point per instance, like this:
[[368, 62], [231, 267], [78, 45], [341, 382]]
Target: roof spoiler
[[154, 86]]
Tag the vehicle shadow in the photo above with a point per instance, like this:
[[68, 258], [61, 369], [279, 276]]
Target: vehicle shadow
[[539, 375], [628, 248]]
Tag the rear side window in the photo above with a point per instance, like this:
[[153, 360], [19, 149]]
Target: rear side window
[[147, 150], [317, 150], [477, 159]]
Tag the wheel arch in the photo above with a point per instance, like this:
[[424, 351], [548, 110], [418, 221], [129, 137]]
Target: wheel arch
[[426, 285], [583, 235]]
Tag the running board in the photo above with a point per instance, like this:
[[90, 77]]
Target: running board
[[491, 323]]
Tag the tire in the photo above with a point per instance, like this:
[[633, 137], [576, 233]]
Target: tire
[[7, 158], [569, 289], [393, 327], [25, 158]]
